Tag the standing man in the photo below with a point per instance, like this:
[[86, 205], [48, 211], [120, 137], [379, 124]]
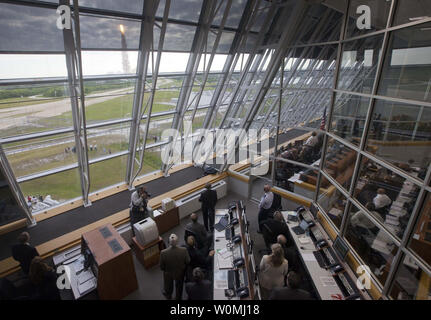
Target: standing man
[[173, 263], [138, 206], [23, 252], [209, 200], [203, 239], [265, 205]]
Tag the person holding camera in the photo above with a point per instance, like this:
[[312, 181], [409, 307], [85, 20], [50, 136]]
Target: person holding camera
[[139, 208]]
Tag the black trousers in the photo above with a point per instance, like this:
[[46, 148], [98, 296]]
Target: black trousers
[[263, 215], [168, 286], [208, 216]]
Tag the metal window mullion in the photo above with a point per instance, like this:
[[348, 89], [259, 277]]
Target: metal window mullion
[[14, 187], [146, 38], [154, 77]]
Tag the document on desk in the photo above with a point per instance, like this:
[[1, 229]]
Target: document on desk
[[85, 276], [87, 286], [308, 257], [220, 280], [78, 264], [328, 281], [224, 263]]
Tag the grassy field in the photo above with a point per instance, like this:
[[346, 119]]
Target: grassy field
[[23, 102], [66, 185]]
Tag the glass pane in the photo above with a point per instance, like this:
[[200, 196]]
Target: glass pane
[[109, 33], [34, 108], [24, 66], [130, 6], [400, 134], [379, 12], [9, 209], [157, 125], [406, 12], [387, 194], [37, 155], [25, 28], [186, 10], [107, 140], [372, 244], [179, 37], [234, 14], [152, 161], [54, 189], [98, 173], [332, 201], [321, 24], [406, 73], [120, 62], [421, 240], [108, 99], [348, 117], [339, 163], [411, 282], [359, 64]]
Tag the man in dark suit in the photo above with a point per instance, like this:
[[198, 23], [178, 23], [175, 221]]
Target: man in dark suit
[[292, 291], [23, 252], [289, 253], [198, 258], [202, 238], [200, 289], [277, 226], [208, 199], [173, 263]]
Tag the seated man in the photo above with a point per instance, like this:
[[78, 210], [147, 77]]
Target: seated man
[[199, 289], [278, 226], [23, 252], [292, 291], [381, 200], [203, 239], [312, 141]]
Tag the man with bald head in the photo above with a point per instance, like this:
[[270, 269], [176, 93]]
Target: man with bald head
[[173, 263], [198, 231], [265, 205], [289, 253]]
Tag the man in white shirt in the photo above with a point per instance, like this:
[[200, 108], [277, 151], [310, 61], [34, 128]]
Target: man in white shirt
[[312, 141], [265, 205], [381, 200], [138, 206]]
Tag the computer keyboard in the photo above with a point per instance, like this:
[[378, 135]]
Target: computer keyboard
[[346, 284], [229, 233], [243, 279], [317, 234], [329, 256], [232, 279], [237, 251], [320, 260]]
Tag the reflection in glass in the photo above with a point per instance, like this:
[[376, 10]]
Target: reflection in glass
[[407, 70], [390, 195], [421, 240], [339, 163], [400, 134], [348, 117], [359, 64], [411, 282], [9, 209], [406, 12], [332, 201], [372, 244]]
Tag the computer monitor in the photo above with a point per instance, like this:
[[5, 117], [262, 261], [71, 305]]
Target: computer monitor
[[304, 225], [313, 210], [340, 247]]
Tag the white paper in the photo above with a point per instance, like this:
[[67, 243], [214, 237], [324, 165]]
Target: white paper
[[84, 276], [224, 263], [308, 257], [86, 286], [328, 281]]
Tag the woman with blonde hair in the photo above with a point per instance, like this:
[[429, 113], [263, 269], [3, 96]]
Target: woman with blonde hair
[[273, 270]]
